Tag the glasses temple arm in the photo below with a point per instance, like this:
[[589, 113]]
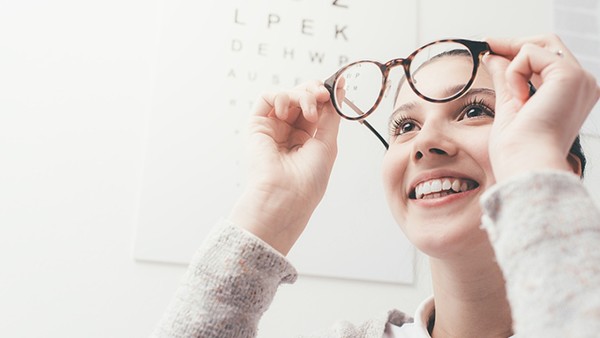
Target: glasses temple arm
[[368, 125], [365, 123]]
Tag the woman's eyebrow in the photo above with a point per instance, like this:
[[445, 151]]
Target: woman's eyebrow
[[474, 90], [406, 107], [486, 91]]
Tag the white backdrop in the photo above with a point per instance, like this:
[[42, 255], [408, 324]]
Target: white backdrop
[[212, 65], [76, 87]]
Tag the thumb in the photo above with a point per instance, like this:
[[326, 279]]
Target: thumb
[[496, 66], [506, 104], [328, 127]]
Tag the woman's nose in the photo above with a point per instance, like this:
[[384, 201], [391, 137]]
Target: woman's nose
[[434, 141], [419, 155]]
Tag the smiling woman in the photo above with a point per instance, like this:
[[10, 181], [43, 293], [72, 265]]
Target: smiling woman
[[471, 174], [432, 142]]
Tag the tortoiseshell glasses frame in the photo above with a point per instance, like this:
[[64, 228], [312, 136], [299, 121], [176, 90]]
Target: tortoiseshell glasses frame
[[476, 49]]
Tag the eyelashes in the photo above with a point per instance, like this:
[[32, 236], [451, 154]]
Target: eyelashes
[[476, 105], [401, 124], [472, 108]]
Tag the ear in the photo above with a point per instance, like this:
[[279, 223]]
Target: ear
[[575, 163]]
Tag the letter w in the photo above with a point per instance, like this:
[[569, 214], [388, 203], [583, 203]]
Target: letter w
[[315, 56]]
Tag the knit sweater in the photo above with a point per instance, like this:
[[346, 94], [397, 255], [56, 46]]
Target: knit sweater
[[544, 227]]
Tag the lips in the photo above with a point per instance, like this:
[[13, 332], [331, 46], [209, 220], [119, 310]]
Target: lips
[[440, 187]]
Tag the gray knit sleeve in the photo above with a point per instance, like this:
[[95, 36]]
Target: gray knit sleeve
[[230, 282], [545, 230]]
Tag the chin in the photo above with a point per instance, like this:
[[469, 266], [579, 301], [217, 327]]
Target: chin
[[442, 239]]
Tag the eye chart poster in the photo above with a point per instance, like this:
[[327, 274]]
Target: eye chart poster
[[214, 60]]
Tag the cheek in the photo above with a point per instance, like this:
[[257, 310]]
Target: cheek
[[393, 173], [482, 157], [393, 168]]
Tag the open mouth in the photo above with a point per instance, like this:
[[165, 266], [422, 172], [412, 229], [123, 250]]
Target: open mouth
[[441, 187]]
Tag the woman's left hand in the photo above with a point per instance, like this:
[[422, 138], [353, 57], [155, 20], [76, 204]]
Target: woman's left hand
[[536, 132]]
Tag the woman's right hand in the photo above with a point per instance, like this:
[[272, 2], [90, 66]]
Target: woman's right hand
[[291, 150], [536, 132]]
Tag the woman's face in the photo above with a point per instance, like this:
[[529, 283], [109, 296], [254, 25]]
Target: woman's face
[[437, 165]]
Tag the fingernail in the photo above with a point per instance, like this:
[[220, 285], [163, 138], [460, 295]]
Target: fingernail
[[284, 113], [486, 59]]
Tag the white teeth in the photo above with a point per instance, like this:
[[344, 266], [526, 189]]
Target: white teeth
[[446, 185], [437, 195], [440, 187], [456, 185], [426, 188], [436, 186]]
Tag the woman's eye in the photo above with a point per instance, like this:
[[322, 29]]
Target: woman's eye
[[406, 127], [403, 126], [475, 111]]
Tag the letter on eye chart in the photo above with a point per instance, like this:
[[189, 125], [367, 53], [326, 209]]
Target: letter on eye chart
[[340, 31], [337, 3], [235, 18], [273, 19], [307, 27]]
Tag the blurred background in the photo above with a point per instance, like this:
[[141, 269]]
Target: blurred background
[[77, 90]]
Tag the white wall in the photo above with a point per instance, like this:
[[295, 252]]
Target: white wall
[[75, 83]]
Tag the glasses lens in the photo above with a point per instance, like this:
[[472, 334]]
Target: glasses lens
[[358, 88], [442, 70]]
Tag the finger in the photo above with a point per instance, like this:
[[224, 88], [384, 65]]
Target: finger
[[318, 95], [298, 107], [282, 103], [315, 87], [497, 66], [286, 106], [264, 105], [530, 60], [309, 126], [328, 128], [301, 106], [309, 97], [303, 111], [308, 103], [510, 47], [271, 103]]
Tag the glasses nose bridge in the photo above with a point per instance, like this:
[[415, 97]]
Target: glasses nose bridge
[[388, 66]]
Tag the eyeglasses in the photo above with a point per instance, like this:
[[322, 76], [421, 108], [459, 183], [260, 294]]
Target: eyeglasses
[[358, 88]]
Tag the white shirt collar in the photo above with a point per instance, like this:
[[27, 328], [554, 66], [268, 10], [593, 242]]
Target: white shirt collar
[[417, 329]]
